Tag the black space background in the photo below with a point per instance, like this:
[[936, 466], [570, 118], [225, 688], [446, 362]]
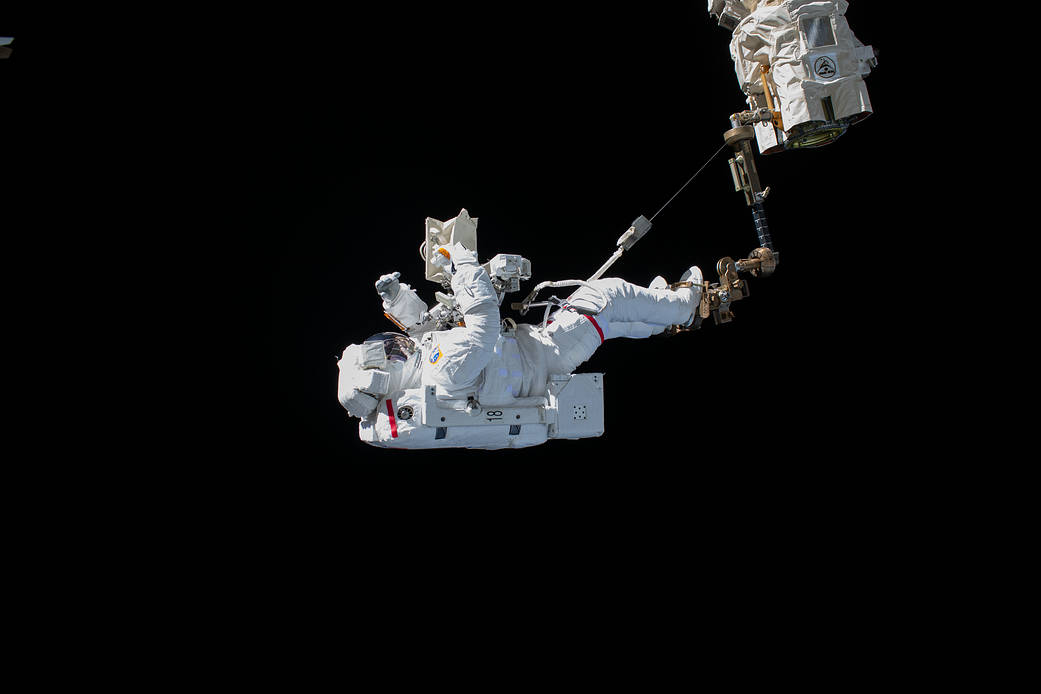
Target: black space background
[[557, 128], [321, 141], [793, 434], [210, 200]]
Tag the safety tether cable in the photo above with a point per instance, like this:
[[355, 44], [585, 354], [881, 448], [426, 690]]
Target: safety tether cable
[[624, 243], [722, 147]]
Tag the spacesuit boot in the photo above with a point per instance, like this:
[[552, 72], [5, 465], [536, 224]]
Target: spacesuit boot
[[692, 274]]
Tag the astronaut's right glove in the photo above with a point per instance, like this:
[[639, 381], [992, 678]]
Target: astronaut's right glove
[[442, 258]]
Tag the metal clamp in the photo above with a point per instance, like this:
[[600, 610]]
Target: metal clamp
[[717, 298]]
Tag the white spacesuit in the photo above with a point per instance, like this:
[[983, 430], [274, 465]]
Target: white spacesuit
[[489, 385], [800, 59]]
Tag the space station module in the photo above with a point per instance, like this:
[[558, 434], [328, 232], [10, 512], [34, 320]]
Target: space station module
[[800, 60]]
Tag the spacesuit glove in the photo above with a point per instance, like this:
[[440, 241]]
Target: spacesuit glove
[[455, 254], [387, 286], [442, 257]]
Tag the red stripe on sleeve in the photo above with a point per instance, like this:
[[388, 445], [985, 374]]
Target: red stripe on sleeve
[[394, 422], [597, 326]]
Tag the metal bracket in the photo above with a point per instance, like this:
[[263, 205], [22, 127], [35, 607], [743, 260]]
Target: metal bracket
[[717, 298]]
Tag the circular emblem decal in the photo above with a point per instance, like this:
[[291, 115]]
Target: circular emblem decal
[[825, 68], [405, 413]]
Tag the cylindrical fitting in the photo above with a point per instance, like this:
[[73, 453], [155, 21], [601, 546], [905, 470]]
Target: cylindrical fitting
[[738, 187], [735, 136]]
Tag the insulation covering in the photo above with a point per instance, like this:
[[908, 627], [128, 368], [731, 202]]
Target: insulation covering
[[815, 61]]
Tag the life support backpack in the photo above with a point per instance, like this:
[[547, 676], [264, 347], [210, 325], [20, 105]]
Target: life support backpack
[[573, 408]]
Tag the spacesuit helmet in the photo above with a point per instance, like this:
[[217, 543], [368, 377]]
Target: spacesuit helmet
[[396, 346]]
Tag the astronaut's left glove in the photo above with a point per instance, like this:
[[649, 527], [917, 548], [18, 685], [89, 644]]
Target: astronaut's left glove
[[400, 301], [363, 379]]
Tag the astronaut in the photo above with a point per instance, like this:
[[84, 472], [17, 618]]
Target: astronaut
[[799, 59], [487, 363]]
